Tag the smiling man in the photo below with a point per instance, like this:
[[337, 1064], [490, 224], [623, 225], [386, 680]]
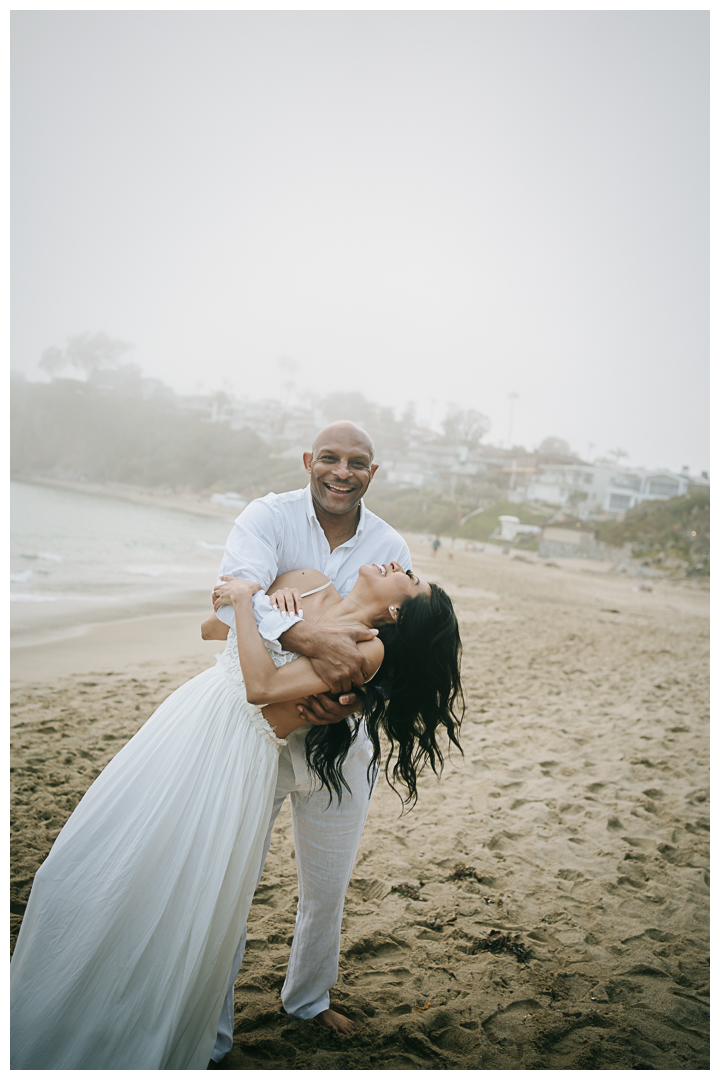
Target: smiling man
[[341, 468], [326, 526]]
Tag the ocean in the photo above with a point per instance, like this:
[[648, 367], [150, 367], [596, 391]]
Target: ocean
[[79, 559]]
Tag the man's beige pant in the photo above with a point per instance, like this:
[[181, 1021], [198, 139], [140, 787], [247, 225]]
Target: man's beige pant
[[327, 838]]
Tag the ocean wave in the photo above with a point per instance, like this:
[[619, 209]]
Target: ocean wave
[[32, 598], [161, 570], [21, 576], [68, 598], [47, 556], [209, 547]]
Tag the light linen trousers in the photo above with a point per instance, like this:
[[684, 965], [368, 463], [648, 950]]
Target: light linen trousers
[[326, 838]]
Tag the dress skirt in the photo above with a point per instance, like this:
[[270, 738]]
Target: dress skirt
[[126, 947]]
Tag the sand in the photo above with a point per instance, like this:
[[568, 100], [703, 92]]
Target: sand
[[545, 905]]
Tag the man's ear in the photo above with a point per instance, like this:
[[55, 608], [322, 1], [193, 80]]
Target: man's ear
[[373, 470], [307, 461]]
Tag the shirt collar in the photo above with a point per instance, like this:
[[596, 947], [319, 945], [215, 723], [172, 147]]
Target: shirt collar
[[310, 507], [312, 516], [361, 520]]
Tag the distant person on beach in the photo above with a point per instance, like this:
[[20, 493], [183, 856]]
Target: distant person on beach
[[126, 950], [435, 545]]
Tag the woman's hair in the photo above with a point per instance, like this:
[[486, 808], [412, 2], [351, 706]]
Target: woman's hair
[[416, 692]]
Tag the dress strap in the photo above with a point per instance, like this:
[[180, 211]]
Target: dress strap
[[319, 589]]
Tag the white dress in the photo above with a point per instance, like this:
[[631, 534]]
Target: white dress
[[126, 947]]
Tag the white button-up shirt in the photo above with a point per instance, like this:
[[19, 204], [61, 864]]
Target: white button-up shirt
[[278, 533]]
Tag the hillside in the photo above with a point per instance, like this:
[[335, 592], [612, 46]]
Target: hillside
[[64, 429], [70, 429], [427, 510], [666, 532]]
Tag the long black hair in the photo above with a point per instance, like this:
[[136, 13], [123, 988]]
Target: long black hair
[[416, 692]]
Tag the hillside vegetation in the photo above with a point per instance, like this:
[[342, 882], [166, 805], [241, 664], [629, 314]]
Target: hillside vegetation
[[65, 430], [427, 511], [69, 429], [663, 531]]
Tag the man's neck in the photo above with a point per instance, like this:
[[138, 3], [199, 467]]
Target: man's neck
[[337, 527]]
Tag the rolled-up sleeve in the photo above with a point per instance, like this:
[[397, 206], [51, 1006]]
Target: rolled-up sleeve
[[251, 553]]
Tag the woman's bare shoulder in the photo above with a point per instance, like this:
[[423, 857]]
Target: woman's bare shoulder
[[304, 580], [373, 651]]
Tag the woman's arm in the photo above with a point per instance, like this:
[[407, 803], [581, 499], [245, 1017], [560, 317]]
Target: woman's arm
[[214, 630], [264, 683]]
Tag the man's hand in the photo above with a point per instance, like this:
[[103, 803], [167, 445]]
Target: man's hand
[[323, 709], [333, 652]]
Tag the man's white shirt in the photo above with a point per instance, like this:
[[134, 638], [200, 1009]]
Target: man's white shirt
[[278, 533]]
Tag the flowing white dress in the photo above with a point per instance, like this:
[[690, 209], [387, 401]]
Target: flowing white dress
[[126, 947]]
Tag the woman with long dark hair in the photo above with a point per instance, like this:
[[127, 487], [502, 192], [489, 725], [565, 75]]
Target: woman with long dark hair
[[124, 954]]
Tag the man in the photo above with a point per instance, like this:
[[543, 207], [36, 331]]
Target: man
[[325, 526]]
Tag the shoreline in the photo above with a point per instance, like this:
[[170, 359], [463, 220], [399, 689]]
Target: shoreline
[[200, 505], [78, 647], [189, 504], [123, 645]]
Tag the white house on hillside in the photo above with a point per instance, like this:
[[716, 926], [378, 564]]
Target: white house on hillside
[[593, 489]]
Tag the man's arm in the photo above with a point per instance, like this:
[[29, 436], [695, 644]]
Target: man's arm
[[333, 652], [251, 552], [264, 683], [214, 630], [337, 660]]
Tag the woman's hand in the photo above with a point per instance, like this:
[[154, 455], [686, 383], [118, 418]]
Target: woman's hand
[[234, 589], [287, 600]]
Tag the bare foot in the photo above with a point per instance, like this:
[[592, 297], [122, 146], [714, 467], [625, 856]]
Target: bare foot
[[335, 1020]]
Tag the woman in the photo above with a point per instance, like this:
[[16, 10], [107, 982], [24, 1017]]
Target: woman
[[125, 950]]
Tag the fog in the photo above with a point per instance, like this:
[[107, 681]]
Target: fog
[[443, 207]]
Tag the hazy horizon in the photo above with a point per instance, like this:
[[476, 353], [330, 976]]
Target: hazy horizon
[[439, 207]]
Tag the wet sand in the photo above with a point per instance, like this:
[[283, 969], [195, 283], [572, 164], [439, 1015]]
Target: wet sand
[[123, 645], [545, 906]]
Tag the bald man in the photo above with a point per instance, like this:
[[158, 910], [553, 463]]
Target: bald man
[[326, 526]]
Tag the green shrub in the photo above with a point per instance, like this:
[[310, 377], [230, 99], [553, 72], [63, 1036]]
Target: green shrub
[[676, 528]]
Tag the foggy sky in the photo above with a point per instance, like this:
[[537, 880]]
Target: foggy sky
[[431, 206]]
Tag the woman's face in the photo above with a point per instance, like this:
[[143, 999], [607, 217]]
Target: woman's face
[[391, 584]]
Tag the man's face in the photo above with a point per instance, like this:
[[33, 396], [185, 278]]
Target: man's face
[[340, 468]]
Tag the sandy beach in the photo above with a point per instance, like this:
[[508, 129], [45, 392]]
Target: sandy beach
[[545, 905]]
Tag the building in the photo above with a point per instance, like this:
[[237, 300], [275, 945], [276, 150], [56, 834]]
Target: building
[[607, 490], [431, 459], [578, 543]]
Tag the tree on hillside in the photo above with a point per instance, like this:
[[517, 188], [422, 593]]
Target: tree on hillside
[[355, 406], [287, 370], [70, 429], [409, 416], [554, 447], [87, 352], [466, 426], [52, 360]]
